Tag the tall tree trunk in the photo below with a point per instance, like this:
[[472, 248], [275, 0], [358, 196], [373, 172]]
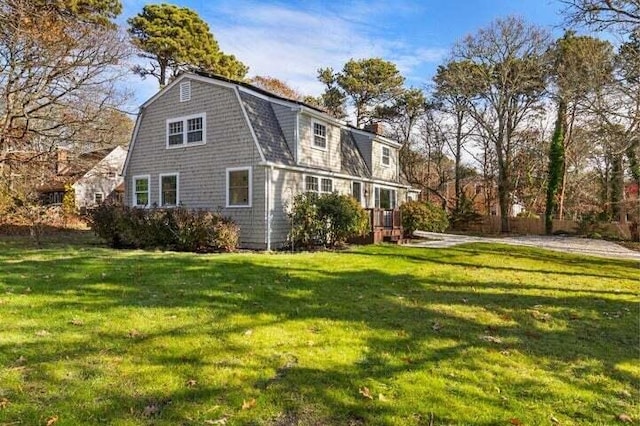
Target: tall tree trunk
[[458, 163], [556, 163], [617, 188]]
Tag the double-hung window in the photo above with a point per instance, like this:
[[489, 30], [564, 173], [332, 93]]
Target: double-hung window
[[319, 135], [169, 190], [386, 156], [186, 131], [141, 191], [239, 187], [98, 197], [311, 184]]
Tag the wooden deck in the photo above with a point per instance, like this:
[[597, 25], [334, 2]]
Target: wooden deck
[[385, 225]]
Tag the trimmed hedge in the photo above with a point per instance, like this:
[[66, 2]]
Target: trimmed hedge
[[176, 229]]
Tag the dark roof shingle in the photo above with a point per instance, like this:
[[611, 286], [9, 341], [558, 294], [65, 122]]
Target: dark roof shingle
[[267, 129], [352, 161]]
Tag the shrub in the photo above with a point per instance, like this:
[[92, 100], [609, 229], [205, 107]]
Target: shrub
[[326, 220], [423, 216], [176, 229]]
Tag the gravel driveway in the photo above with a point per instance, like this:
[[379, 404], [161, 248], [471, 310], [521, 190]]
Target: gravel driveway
[[564, 244]]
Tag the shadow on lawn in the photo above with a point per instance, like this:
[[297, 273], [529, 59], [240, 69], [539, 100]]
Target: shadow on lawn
[[402, 310]]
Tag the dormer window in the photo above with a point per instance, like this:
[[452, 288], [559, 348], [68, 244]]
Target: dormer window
[[386, 156], [319, 135]]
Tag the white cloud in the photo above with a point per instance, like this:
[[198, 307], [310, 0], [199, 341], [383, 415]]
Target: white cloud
[[291, 44]]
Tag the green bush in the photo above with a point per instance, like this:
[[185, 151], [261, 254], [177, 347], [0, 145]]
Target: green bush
[[423, 216], [326, 220], [173, 229]]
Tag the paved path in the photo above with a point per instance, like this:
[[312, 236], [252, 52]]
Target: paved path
[[564, 244]]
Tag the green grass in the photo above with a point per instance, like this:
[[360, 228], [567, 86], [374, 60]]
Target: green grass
[[478, 334]]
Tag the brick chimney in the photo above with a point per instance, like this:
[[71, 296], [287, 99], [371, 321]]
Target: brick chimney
[[376, 127]]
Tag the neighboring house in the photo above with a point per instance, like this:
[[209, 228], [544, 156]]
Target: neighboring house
[[94, 176], [101, 182], [206, 142]]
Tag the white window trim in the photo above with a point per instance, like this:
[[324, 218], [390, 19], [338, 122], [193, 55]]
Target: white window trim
[[133, 191], [304, 183], [382, 156], [185, 131], [313, 136], [177, 175], [390, 188], [101, 195], [237, 169], [320, 178], [320, 185]]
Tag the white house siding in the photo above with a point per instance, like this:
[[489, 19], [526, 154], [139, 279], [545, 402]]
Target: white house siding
[[97, 179], [201, 169], [379, 170], [329, 159]]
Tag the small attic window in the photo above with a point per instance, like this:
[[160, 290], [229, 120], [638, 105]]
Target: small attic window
[[185, 91]]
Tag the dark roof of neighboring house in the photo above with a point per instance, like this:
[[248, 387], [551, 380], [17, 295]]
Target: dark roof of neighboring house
[[267, 129], [352, 161]]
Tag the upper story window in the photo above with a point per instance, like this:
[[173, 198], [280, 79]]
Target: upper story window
[[140, 191], [184, 131], [185, 91], [98, 197], [386, 156], [239, 187], [319, 135], [169, 190]]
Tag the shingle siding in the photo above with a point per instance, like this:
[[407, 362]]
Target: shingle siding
[[328, 159], [202, 169]]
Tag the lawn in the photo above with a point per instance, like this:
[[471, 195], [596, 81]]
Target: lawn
[[377, 335]]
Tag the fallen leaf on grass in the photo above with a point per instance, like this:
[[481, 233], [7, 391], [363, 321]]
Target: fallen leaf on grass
[[76, 321], [4, 403], [491, 339], [52, 420], [248, 332], [382, 398], [246, 405], [42, 333], [150, 410], [220, 421], [554, 420], [191, 383], [540, 316], [364, 391], [625, 418], [134, 334], [516, 422], [436, 326]]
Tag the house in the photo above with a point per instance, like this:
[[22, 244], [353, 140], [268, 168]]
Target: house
[[207, 142], [94, 177]]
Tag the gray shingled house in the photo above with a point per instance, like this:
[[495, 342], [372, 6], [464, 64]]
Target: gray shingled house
[[206, 142]]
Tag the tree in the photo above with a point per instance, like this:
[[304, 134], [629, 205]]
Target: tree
[[506, 85], [364, 84], [453, 100], [276, 86], [175, 39], [603, 14], [60, 68], [580, 66]]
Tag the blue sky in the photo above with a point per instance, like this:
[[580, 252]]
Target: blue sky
[[290, 40]]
